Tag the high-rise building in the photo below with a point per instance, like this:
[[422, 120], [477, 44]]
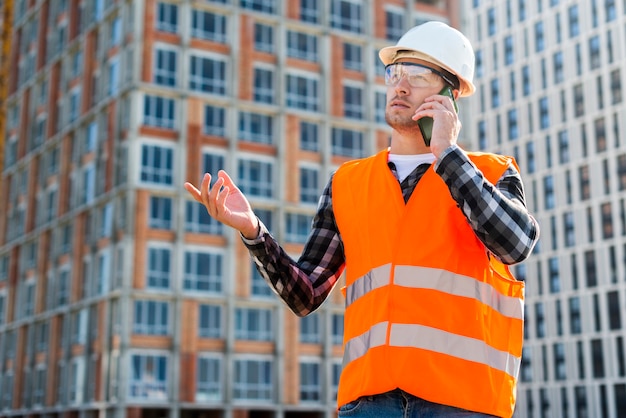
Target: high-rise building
[[550, 77], [119, 296]]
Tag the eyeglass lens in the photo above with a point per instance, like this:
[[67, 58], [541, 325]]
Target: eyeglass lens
[[416, 75]]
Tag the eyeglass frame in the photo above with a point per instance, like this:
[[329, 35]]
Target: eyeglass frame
[[445, 75]]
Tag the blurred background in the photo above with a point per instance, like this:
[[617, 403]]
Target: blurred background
[[120, 297]]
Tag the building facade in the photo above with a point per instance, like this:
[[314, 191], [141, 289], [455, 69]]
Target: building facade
[[550, 78], [119, 296]]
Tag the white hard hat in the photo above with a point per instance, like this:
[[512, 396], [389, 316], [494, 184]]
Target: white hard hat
[[440, 44]]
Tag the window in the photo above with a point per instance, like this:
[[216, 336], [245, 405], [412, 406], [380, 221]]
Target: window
[[203, 272], [167, 17], [298, 227], [310, 385], [540, 325], [555, 278], [302, 46], [539, 37], [574, 24], [544, 113], [347, 15], [491, 21], [165, 68], [521, 10], [526, 370], [207, 75], [509, 56], [158, 112], [264, 85], [259, 287], [302, 93], [209, 26], [495, 93], [160, 212], [380, 106], [148, 379], [255, 178], [512, 124], [563, 147], [615, 320], [569, 229], [585, 186], [352, 56], [151, 317], [310, 329], [557, 63], [590, 268], [336, 372], [263, 38], [214, 121], [600, 134], [579, 101], [394, 27], [256, 127], [346, 142], [621, 171], [559, 361], [548, 192], [159, 268], [526, 80], [309, 185], [607, 220], [597, 358], [210, 321], [616, 86], [353, 102], [74, 104], [309, 11], [253, 380], [157, 164], [479, 68], [574, 315], [209, 378], [265, 6], [337, 329], [253, 324], [594, 52], [3, 308], [309, 137], [482, 135]]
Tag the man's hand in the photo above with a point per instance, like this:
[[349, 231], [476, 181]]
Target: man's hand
[[446, 125], [226, 203]]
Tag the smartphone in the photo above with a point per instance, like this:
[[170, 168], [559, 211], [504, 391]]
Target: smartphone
[[426, 124]]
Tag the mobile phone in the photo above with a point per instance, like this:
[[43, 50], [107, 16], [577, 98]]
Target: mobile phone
[[426, 124]]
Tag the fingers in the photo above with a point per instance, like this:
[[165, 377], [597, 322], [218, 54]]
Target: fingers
[[442, 100]]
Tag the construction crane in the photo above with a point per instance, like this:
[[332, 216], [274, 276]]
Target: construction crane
[[6, 23]]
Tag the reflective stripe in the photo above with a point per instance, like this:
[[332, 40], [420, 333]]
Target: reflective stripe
[[357, 347], [458, 285], [375, 278], [471, 349]]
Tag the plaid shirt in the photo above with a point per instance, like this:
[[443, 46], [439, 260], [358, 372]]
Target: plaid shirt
[[497, 214]]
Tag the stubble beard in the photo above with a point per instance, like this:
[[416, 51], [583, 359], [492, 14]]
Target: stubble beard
[[400, 123]]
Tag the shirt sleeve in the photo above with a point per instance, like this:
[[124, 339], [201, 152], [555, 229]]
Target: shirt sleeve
[[303, 284], [497, 213]]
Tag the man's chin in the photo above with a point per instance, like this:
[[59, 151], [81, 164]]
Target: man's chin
[[402, 124]]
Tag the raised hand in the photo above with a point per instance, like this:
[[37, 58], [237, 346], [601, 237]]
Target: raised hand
[[226, 203]]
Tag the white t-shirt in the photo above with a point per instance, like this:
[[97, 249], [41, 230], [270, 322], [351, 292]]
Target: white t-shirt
[[405, 164]]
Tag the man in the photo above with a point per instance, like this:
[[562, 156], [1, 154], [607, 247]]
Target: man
[[434, 319]]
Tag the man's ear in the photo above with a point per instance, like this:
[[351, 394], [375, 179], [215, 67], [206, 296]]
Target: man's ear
[[456, 93]]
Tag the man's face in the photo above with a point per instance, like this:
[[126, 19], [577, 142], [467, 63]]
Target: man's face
[[409, 82]]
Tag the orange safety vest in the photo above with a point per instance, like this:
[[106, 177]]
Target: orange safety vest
[[428, 310]]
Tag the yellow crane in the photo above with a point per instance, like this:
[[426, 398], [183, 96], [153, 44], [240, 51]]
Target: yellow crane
[[6, 21]]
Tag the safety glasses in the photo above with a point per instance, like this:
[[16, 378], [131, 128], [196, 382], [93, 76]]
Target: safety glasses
[[416, 74]]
